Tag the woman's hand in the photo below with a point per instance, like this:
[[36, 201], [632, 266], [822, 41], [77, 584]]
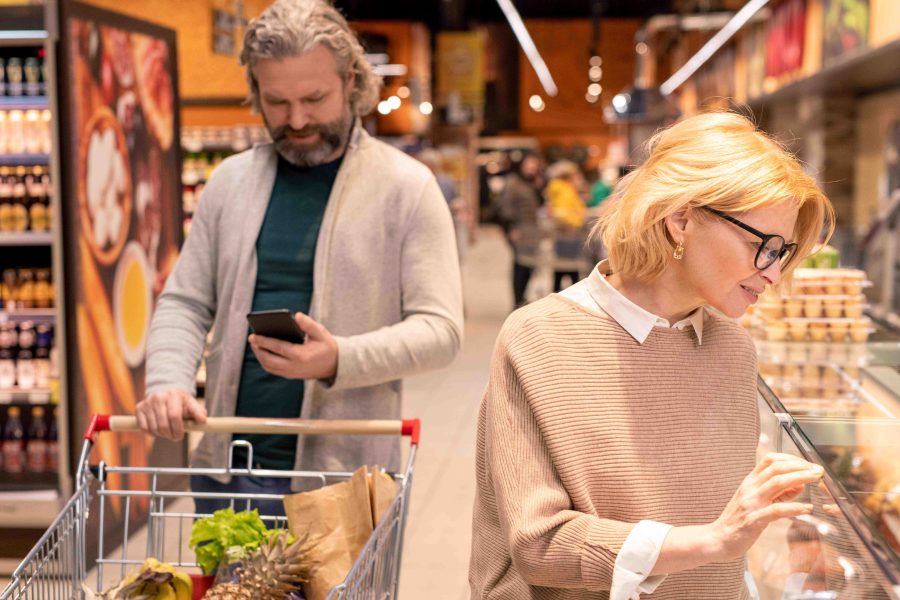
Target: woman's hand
[[764, 496]]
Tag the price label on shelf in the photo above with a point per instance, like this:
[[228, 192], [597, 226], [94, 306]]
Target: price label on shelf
[[38, 397]]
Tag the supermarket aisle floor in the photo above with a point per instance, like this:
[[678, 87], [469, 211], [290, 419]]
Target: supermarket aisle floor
[[436, 554]]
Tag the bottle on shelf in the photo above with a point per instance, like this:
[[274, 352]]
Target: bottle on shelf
[[14, 76], [6, 201], [36, 448], [3, 121], [32, 72], [8, 341], [53, 444], [9, 290], [25, 365], [14, 443], [25, 289], [43, 344], [15, 132], [19, 201], [43, 289]]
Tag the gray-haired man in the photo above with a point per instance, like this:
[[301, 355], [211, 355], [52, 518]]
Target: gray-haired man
[[345, 231]]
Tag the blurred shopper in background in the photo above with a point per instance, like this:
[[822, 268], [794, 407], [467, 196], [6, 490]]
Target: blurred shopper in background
[[600, 466], [459, 208], [347, 232], [607, 176], [516, 208], [564, 193]]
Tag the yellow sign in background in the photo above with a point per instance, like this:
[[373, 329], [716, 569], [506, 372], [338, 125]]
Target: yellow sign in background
[[460, 66]]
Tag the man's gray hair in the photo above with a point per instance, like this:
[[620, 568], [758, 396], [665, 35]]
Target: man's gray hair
[[291, 28]]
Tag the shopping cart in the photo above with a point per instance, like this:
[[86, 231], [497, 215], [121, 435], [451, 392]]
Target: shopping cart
[[57, 565]]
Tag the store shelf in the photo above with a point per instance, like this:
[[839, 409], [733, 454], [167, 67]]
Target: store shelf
[[32, 508], [26, 238], [23, 102], [192, 146], [24, 160], [36, 315], [17, 396], [864, 71]]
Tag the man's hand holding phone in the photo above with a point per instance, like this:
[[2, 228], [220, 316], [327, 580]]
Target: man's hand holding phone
[[315, 358]]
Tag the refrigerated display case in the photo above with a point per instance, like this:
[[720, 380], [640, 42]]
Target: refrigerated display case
[[32, 302], [849, 547]]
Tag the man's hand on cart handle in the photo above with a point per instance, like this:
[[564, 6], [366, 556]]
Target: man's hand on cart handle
[[163, 413], [316, 358]]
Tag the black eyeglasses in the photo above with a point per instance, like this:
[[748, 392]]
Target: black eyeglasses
[[771, 248]]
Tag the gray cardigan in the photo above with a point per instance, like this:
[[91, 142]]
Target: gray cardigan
[[386, 284]]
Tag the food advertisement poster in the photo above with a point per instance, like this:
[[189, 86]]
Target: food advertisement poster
[[122, 203]]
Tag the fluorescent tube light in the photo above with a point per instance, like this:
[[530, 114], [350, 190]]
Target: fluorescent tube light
[[531, 51], [711, 47]]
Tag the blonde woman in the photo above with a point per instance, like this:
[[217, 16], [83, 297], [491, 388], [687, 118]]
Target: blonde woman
[[617, 435]]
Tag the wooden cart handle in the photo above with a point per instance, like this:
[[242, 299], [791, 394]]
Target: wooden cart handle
[[404, 427]]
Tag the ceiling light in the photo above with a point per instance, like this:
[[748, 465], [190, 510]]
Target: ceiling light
[[390, 70], [596, 61], [536, 103], [384, 108], [528, 47], [403, 91], [591, 98], [641, 48], [595, 73], [712, 46], [620, 102], [425, 108], [594, 89], [393, 102]]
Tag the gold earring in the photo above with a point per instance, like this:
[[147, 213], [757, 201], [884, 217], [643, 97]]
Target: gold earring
[[679, 251]]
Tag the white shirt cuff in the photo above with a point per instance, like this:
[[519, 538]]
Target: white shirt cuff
[[631, 573]]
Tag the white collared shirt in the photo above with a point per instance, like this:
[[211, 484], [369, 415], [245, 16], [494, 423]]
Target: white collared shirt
[[638, 555]]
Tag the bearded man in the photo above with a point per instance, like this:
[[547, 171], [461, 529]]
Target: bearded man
[[348, 233]]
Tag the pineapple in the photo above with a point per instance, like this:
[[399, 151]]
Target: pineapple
[[271, 572], [227, 591]]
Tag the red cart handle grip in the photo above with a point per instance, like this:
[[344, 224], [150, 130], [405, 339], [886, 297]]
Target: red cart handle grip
[[98, 423]]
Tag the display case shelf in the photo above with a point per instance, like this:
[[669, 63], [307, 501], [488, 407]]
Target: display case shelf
[[24, 160], [19, 396], [23, 102], [847, 527], [31, 508], [26, 238], [37, 315]]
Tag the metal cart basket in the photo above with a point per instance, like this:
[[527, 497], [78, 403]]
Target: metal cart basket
[[57, 566]]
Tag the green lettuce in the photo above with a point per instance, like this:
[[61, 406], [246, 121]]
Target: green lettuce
[[224, 531]]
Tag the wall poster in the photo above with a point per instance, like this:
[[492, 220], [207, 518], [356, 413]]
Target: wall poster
[[123, 225]]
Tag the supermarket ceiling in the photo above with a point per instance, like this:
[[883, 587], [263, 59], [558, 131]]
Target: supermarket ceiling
[[457, 14]]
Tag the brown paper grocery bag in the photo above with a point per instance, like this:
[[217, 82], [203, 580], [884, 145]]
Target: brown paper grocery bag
[[382, 491], [338, 520]]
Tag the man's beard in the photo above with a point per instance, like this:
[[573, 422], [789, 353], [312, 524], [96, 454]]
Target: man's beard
[[332, 137]]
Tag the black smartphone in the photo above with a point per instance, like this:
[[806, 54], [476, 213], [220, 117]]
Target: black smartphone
[[278, 324]]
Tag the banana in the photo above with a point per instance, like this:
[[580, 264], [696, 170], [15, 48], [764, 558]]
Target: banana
[[184, 587], [165, 591], [180, 587]]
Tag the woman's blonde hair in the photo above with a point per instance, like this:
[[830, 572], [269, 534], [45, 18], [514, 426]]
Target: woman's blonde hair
[[718, 160], [291, 28]]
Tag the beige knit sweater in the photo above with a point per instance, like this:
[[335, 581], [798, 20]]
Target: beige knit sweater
[[583, 432]]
